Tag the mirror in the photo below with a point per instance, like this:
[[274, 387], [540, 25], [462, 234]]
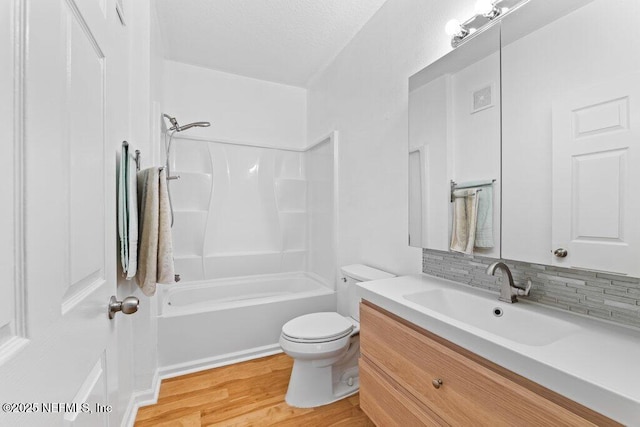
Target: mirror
[[554, 90], [571, 135], [454, 135]]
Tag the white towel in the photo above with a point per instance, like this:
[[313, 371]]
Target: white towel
[[132, 217], [155, 260], [123, 226], [484, 226], [465, 216], [166, 271]]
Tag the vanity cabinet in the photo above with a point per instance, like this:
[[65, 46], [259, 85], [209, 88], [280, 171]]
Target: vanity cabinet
[[409, 376]]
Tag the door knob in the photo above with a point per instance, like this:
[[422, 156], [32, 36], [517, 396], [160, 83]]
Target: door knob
[[437, 383], [560, 253], [129, 305]]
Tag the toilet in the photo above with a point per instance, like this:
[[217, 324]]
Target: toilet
[[325, 346]]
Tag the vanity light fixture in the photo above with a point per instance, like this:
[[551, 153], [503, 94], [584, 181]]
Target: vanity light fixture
[[486, 12], [455, 29], [487, 9]]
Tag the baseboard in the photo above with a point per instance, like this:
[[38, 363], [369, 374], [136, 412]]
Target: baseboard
[[150, 396], [141, 398], [130, 413], [218, 361]]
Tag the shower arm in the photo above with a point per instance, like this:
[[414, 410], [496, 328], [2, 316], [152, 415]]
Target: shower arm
[[175, 127]]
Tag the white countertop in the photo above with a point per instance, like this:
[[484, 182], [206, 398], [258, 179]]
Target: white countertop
[[596, 365]]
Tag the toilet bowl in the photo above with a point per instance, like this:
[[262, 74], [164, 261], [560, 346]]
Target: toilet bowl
[[325, 347]]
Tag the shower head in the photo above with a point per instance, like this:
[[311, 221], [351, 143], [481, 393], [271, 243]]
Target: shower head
[[191, 125], [177, 128]]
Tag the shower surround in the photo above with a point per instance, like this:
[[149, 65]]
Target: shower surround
[[245, 210]]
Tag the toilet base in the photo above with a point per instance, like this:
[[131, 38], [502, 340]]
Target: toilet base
[[313, 383]]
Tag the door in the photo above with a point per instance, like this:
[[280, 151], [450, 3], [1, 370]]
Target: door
[[55, 332], [596, 177]]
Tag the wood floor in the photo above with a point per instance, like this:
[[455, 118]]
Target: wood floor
[[246, 394]]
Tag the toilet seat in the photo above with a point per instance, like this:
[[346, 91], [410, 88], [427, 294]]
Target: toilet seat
[[317, 328]]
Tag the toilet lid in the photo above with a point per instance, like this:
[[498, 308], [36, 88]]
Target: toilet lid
[[317, 327]]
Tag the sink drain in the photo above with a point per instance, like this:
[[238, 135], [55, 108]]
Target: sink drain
[[497, 312]]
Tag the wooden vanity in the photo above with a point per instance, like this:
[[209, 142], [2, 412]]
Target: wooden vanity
[[410, 376]]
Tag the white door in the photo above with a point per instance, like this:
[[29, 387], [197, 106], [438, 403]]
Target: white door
[[596, 177], [54, 328]]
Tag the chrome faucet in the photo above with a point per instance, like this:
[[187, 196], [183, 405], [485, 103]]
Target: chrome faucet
[[508, 289]]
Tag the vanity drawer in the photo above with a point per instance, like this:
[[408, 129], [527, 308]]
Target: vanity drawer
[[387, 404], [474, 391]]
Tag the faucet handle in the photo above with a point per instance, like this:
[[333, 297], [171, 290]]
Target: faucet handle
[[524, 292]]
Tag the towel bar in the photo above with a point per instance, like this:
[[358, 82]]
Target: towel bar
[[462, 197], [471, 184]]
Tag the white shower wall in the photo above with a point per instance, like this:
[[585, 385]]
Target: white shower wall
[[243, 210]]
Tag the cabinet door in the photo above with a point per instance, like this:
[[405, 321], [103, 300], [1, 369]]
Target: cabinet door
[[540, 69], [596, 150], [470, 393], [387, 405]]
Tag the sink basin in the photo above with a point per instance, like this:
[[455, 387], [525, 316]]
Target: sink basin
[[509, 321]]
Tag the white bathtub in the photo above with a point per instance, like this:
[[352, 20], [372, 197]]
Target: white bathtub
[[211, 323]]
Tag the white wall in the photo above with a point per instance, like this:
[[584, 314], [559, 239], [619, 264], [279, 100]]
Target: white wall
[[145, 82], [239, 108], [137, 119], [363, 94], [118, 118], [321, 256]]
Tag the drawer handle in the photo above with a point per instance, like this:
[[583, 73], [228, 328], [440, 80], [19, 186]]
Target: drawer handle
[[437, 383]]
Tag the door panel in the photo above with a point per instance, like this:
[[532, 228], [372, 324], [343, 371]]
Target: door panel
[[9, 323], [86, 104], [598, 205], [596, 136], [69, 198], [89, 399]]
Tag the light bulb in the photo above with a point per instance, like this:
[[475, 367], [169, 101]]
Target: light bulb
[[484, 7], [453, 28]]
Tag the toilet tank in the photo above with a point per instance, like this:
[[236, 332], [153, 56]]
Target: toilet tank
[[351, 275]]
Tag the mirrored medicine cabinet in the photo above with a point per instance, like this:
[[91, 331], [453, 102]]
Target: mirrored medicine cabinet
[[541, 110]]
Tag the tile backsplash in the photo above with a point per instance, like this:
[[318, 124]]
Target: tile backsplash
[[606, 296]]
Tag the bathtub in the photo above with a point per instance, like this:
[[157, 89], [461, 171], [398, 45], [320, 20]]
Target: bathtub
[[211, 323]]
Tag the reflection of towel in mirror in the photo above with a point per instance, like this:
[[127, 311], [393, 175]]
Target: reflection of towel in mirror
[[465, 216], [484, 226], [155, 260]]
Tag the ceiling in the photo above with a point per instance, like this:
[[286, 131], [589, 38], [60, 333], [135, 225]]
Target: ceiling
[[283, 41]]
